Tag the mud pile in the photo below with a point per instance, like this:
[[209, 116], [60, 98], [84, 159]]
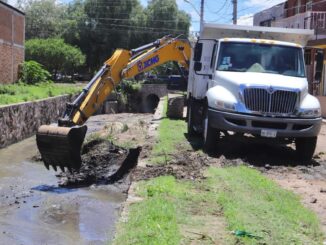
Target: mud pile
[[102, 163], [185, 165]]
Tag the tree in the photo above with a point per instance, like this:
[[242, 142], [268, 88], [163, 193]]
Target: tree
[[55, 55], [44, 18], [164, 17], [99, 27]]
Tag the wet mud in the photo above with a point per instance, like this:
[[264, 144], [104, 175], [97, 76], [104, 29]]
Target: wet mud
[[184, 165], [102, 163]]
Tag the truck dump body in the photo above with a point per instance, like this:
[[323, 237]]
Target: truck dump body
[[216, 31]]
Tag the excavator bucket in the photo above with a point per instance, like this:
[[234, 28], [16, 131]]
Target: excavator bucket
[[61, 146]]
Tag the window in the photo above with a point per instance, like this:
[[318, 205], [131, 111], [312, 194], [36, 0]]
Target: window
[[309, 5], [261, 58]]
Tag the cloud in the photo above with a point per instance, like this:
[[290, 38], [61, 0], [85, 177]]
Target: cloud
[[246, 20]]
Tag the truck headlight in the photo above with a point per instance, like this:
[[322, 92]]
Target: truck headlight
[[225, 105], [310, 112]]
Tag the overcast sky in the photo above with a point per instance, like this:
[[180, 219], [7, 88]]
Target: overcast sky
[[218, 11]]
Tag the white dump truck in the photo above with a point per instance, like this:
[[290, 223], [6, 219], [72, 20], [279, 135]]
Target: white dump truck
[[252, 80]]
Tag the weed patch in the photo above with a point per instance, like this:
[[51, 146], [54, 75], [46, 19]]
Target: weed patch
[[171, 138], [16, 93]]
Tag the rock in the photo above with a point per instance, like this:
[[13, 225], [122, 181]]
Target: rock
[[323, 190], [267, 166], [313, 200]]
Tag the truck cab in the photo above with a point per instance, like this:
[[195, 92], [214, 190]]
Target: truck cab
[[252, 80]]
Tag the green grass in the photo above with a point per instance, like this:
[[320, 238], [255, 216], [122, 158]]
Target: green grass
[[171, 138], [152, 221], [16, 93], [248, 200], [253, 203]]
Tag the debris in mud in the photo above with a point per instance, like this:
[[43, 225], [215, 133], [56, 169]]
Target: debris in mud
[[183, 166], [102, 163]]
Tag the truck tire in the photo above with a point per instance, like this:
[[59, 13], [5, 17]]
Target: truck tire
[[210, 135], [190, 120], [305, 147], [175, 107]]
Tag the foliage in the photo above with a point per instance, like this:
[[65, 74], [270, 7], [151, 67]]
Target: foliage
[[44, 18], [98, 28], [33, 72], [15, 93], [55, 55], [130, 87]]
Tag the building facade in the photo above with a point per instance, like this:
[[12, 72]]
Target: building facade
[[268, 16], [12, 38]]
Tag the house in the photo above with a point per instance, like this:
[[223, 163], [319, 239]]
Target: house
[[269, 16], [12, 37]]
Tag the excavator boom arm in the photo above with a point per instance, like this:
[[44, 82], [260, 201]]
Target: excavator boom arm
[[127, 64], [61, 145]]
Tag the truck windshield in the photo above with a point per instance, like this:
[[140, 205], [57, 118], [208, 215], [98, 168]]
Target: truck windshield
[[263, 58]]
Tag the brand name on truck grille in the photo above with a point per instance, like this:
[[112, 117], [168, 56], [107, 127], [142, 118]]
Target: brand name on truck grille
[[147, 63]]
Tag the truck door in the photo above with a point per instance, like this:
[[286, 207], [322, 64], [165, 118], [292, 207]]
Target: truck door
[[203, 66]]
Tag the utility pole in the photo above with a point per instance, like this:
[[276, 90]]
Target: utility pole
[[235, 11], [201, 15]]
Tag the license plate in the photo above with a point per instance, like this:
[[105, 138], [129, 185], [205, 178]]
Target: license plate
[[268, 133]]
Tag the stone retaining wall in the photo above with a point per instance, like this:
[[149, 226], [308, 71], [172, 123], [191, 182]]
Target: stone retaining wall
[[20, 121]]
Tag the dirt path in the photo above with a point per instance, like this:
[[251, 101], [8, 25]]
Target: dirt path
[[309, 182], [35, 210]]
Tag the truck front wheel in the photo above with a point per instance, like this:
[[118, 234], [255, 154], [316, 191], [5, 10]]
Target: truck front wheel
[[210, 134], [190, 120], [305, 147]]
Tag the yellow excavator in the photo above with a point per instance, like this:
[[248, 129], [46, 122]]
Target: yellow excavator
[[60, 144]]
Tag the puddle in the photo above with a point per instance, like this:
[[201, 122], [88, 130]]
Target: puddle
[[34, 210]]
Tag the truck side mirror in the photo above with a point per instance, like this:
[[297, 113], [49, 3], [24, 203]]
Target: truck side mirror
[[197, 66], [198, 51]]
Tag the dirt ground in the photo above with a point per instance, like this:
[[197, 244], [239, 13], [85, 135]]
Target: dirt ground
[[278, 162]]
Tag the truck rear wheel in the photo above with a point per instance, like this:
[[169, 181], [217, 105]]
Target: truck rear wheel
[[210, 135], [305, 147]]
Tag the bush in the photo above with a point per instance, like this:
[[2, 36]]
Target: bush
[[33, 73], [130, 86], [57, 56]]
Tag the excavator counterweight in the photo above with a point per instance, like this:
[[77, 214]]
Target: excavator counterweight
[[60, 145]]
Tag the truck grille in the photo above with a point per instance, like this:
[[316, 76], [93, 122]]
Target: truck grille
[[274, 102]]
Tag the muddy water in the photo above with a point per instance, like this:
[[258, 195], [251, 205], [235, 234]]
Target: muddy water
[[33, 210]]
